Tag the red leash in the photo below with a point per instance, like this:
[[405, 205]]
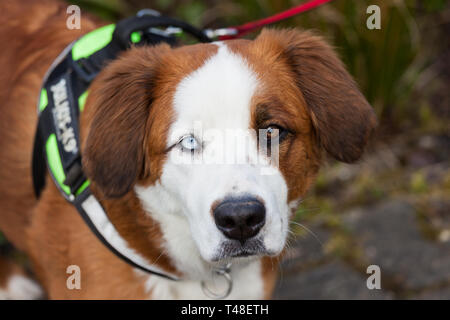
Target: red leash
[[238, 31]]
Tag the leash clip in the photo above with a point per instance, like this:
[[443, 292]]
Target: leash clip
[[223, 271], [216, 33]]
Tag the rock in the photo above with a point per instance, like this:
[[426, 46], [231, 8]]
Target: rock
[[430, 149], [333, 280], [390, 237], [437, 212], [437, 294]]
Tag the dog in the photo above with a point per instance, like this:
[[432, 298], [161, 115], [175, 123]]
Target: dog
[[186, 218]]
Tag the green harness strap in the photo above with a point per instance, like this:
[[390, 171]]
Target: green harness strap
[[62, 99]]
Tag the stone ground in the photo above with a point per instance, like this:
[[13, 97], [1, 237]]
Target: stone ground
[[399, 220], [388, 235]]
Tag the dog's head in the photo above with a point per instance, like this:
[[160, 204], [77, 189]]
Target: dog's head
[[220, 141]]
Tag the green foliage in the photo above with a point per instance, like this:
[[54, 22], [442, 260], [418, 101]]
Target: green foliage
[[387, 64], [108, 10], [418, 182]]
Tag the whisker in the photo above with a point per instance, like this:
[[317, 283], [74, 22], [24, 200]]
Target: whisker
[[163, 252], [309, 231]]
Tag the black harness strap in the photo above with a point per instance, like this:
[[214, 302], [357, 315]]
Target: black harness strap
[[56, 142]]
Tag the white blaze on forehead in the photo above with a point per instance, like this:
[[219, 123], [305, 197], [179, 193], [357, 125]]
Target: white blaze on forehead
[[217, 96], [218, 93]]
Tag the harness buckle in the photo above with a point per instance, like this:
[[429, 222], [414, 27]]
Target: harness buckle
[[75, 176], [85, 69], [215, 33], [148, 12]]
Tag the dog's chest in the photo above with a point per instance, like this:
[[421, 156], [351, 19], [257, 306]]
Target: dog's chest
[[247, 283]]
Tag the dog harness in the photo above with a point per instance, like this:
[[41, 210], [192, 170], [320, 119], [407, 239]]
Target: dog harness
[[62, 98]]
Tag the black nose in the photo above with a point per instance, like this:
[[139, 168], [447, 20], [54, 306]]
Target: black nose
[[240, 218]]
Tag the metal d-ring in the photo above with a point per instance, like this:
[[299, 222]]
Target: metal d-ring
[[149, 12], [224, 272]]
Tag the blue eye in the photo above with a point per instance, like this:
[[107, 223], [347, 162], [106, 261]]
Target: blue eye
[[274, 131], [189, 143]]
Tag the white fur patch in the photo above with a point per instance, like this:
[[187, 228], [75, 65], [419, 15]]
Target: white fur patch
[[247, 284], [21, 288], [217, 95], [104, 226]]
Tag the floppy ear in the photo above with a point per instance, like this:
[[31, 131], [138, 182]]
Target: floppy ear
[[341, 116], [117, 113]]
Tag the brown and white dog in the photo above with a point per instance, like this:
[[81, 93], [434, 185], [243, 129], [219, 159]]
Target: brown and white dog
[[142, 109]]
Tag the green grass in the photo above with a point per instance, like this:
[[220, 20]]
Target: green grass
[[386, 63]]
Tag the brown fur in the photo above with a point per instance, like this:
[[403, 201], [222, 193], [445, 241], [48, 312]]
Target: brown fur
[[26, 55], [306, 89], [341, 116], [15, 283], [8, 268]]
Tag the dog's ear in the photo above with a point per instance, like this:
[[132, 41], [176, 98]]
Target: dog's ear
[[342, 118], [116, 114]]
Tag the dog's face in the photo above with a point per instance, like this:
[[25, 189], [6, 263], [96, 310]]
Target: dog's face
[[223, 138]]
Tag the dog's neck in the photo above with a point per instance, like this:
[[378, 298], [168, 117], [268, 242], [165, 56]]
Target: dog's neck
[[162, 235], [154, 226], [178, 243], [142, 233]]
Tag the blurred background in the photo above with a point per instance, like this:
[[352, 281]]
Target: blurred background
[[392, 208]]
